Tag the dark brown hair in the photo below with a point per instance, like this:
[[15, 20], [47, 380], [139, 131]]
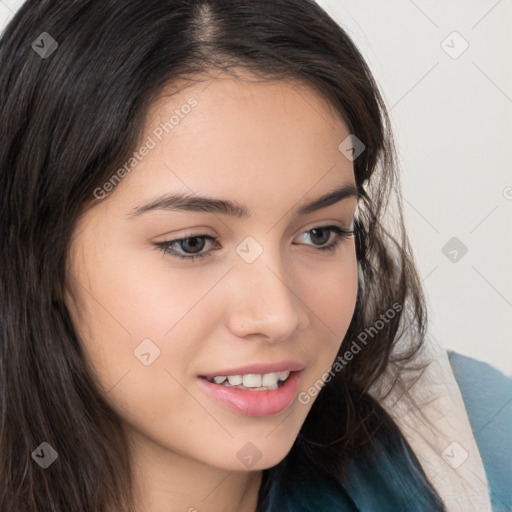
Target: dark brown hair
[[67, 121]]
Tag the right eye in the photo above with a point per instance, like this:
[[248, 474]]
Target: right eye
[[194, 243]]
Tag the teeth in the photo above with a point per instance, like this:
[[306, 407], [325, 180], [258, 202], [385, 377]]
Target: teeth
[[283, 375], [235, 380], [270, 379], [251, 380]]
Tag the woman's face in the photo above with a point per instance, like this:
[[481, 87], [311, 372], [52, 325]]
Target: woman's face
[[264, 300]]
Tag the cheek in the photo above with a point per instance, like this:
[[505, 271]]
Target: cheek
[[331, 295], [140, 296], [140, 332], [141, 323], [331, 299]]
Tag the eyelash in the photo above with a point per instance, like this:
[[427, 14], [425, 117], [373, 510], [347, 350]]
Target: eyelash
[[341, 234]]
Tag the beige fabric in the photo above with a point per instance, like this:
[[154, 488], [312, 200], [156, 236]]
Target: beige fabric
[[443, 441]]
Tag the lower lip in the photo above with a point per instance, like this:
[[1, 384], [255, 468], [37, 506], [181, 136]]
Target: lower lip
[[254, 403]]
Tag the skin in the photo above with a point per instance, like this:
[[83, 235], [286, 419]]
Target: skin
[[271, 146]]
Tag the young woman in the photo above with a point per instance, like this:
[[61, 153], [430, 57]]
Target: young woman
[[202, 275]]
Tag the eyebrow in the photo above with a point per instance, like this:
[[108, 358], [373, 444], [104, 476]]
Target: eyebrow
[[194, 203]]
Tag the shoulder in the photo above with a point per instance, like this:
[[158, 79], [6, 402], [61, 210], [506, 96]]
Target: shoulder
[[487, 395]]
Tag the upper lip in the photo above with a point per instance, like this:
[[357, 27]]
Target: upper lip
[[258, 368]]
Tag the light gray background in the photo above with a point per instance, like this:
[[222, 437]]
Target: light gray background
[[453, 124], [452, 116]]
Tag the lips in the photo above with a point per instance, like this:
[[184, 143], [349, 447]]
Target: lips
[[254, 400]]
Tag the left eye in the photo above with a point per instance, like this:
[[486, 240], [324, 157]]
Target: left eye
[[195, 244]]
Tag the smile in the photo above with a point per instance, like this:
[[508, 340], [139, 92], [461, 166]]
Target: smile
[[253, 394]]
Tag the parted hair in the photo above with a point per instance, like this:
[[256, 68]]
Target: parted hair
[[70, 119]]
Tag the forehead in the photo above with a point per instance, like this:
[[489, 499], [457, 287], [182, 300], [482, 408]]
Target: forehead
[[236, 136], [224, 102]]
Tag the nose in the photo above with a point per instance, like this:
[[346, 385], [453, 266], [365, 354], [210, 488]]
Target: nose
[[267, 302]]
